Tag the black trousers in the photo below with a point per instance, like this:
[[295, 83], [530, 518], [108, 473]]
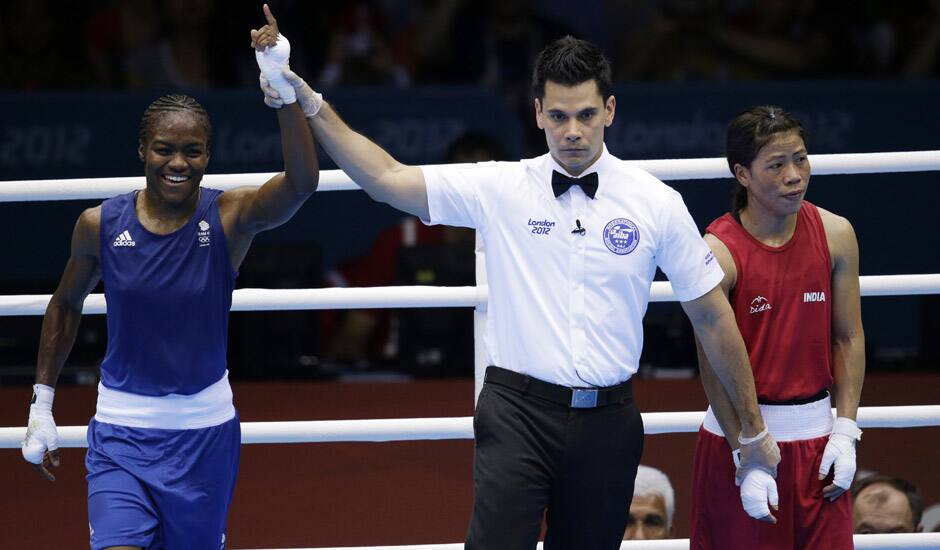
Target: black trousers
[[536, 457]]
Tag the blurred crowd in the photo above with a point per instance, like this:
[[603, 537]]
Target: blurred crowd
[[193, 44]]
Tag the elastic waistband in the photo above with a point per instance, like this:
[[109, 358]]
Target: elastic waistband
[[788, 422], [576, 398], [209, 407], [823, 393]]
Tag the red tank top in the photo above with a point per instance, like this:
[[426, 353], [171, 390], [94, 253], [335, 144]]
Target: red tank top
[[783, 304]]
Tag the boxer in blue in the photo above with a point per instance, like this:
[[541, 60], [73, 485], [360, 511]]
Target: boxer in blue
[[163, 446]]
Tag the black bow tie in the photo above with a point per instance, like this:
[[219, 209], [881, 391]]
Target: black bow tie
[[561, 183]]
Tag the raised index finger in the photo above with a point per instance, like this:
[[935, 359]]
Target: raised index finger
[[269, 16]]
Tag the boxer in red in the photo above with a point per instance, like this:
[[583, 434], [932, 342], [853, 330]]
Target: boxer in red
[[791, 275]]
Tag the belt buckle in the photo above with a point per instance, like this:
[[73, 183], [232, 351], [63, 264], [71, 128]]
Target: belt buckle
[[583, 399]]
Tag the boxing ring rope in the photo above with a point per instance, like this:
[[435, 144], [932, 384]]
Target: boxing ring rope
[[336, 180], [429, 429], [411, 297], [263, 299], [900, 541]]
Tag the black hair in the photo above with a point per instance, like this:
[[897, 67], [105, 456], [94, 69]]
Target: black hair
[[747, 134], [902, 485], [173, 103], [570, 61]]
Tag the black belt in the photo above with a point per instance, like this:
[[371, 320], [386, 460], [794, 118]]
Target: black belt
[[576, 398], [799, 401]]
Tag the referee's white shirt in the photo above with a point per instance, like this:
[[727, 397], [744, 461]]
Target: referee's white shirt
[[567, 307]]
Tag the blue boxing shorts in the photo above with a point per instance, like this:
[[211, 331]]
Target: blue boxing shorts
[[156, 488]]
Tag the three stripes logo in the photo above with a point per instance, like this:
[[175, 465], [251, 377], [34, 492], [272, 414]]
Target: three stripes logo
[[124, 239]]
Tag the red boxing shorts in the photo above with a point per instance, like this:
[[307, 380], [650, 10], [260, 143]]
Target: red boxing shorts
[[805, 518]]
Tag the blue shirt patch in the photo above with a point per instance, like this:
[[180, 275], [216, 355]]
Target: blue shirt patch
[[621, 236]]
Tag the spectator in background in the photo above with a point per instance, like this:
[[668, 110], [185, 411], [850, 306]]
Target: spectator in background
[[360, 50], [653, 506], [714, 40], [886, 504], [489, 43], [177, 56], [149, 44], [924, 58], [408, 253], [673, 45], [772, 39], [37, 39]]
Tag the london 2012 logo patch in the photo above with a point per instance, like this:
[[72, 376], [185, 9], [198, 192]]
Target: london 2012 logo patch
[[621, 236]]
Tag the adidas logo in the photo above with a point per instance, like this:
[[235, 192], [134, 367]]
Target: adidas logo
[[124, 239], [760, 304]]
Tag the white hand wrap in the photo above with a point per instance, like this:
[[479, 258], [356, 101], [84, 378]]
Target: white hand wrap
[[41, 433], [758, 493], [272, 61], [840, 452], [310, 101]]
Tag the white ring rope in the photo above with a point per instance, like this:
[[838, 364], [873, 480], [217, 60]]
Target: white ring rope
[[336, 180], [262, 299], [426, 429], [897, 541]]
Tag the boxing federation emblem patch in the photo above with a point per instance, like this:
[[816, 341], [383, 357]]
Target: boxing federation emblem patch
[[621, 236]]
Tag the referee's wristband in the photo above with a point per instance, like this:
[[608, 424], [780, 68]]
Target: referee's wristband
[[749, 440]]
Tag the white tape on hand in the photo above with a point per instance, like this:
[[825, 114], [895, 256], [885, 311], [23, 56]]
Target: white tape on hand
[[758, 493], [41, 432], [840, 452], [272, 61]]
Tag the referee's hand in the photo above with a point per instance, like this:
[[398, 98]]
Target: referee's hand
[[763, 453]]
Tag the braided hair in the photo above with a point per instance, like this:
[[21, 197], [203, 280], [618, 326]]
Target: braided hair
[[747, 134], [173, 103]]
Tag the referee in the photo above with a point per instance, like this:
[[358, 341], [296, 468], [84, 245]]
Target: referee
[[573, 238]]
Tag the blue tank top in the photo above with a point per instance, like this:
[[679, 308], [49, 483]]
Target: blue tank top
[[168, 299]]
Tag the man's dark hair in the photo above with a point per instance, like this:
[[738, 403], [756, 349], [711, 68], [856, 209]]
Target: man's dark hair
[[173, 103], [902, 485], [748, 133], [569, 61]]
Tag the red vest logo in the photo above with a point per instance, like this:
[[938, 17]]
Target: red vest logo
[[760, 304]]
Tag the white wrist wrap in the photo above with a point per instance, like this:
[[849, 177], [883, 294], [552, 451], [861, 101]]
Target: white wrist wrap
[[847, 427], [42, 397]]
